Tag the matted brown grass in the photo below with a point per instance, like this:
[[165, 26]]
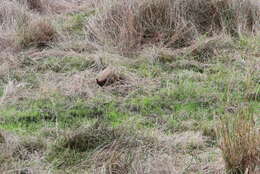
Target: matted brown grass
[[128, 25]]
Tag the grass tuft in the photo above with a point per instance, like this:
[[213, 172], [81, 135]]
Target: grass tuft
[[38, 33], [239, 142], [91, 138], [128, 25]]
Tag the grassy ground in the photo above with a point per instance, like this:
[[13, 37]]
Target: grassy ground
[[175, 110]]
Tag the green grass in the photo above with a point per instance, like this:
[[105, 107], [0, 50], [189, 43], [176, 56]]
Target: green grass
[[36, 114], [187, 101], [65, 64], [150, 70], [1, 91], [187, 96], [58, 64], [58, 111], [74, 23]]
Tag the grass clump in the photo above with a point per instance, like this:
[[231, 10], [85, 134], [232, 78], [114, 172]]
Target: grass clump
[[175, 24], [38, 33], [91, 138], [98, 145], [28, 146], [47, 6], [20, 153], [239, 142], [36, 5]]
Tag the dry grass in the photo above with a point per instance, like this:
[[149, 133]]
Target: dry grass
[[111, 150], [91, 138], [48, 6], [5, 43], [35, 5], [37, 32], [125, 151], [23, 22], [158, 117], [18, 152], [239, 142], [128, 25], [11, 13]]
